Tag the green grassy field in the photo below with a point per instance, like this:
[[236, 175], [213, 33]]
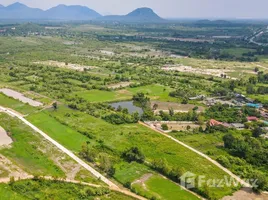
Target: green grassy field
[[237, 51], [16, 105], [25, 150], [119, 138], [42, 189], [6, 193], [153, 91], [129, 172], [102, 96], [157, 91], [67, 136], [211, 144], [161, 188]]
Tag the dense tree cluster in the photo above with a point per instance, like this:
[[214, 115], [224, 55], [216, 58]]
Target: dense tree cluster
[[133, 154]]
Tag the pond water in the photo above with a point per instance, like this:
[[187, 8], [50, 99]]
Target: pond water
[[129, 105]]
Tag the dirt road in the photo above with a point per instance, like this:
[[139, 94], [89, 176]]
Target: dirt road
[[72, 155]]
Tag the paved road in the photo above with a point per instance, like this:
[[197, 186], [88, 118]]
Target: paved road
[[72, 155], [242, 182]]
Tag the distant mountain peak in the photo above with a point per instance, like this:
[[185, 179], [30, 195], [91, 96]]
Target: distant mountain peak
[[17, 5], [144, 13], [1, 6], [73, 12]]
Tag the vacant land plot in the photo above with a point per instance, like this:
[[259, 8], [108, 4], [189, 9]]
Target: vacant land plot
[[129, 172], [246, 194], [117, 138], [119, 85], [17, 95], [104, 96], [207, 143], [16, 105], [156, 92], [4, 138], [189, 69], [28, 151], [56, 190], [155, 186], [176, 126], [65, 65], [165, 106]]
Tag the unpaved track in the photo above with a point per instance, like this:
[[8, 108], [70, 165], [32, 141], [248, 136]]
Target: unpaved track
[[72, 155], [239, 180]]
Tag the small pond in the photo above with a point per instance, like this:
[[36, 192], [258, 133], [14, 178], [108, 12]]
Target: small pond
[[129, 105]]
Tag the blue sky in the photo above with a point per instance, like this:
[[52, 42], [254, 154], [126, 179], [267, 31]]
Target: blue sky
[[166, 8]]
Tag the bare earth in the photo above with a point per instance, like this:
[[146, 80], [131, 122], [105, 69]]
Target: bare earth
[[13, 170], [119, 85], [5, 140], [16, 95], [246, 194], [189, 69], [65, 65], [165, 106]]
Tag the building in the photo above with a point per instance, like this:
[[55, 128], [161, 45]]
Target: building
[[201, 97], [252, 118], [253, 105], [238, 125], [264, 114], [214, 122]]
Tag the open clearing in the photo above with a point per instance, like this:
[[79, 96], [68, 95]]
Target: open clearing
[[17, 95], [158, 187], [4, 138], [151, 143], [16, 105], [65, 65], [175, 126], [189, 69], [165, 106], [246, 194], [119, 85]]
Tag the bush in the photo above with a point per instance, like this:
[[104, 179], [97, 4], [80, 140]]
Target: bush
[[164, 127], [133, 154]]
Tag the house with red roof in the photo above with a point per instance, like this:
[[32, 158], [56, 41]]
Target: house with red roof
[[252, 118]]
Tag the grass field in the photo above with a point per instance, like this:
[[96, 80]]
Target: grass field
[[67, 136], [153, 91], [161, 188], [16, 105], [119, 138], [103, 96], [25, 150], [211, 144], [56, 190], [129, 172], [237, 51], [6, 193], [159, 92]]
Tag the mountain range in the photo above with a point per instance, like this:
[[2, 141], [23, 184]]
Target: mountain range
[[140, 14], [18, 11]]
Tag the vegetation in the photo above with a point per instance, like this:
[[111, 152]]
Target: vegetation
[[78, 70], [43, 189]]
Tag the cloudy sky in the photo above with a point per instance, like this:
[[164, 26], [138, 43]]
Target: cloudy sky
[[166, 8]]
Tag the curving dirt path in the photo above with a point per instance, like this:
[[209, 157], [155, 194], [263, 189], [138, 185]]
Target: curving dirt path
[[111, 185], [242, 182]]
